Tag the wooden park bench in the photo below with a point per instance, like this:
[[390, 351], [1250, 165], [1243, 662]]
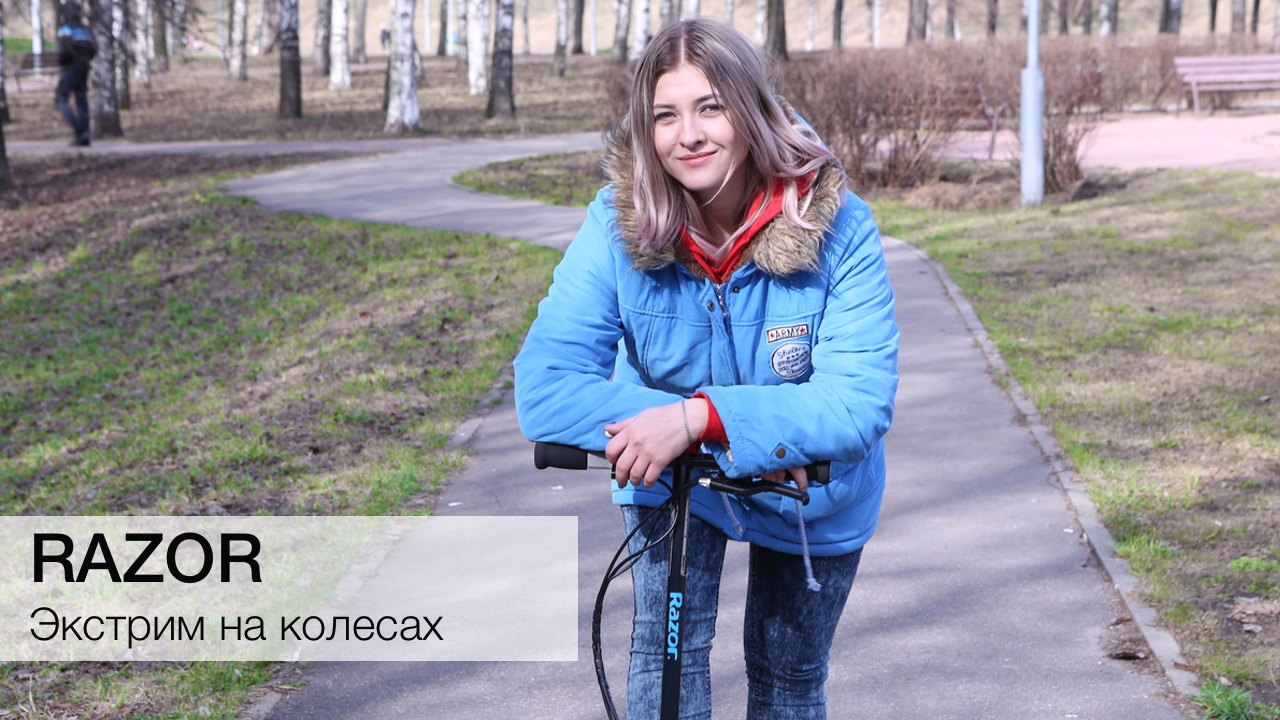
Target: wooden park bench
[[966, 106], [32, 64], [1229, 73]]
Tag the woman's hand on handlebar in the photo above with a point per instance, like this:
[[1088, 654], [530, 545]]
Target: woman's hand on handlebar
[[643, 446], [798, 474]]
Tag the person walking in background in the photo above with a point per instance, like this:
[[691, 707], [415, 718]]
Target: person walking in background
[[726, 292], [76, 49], [384, 36]]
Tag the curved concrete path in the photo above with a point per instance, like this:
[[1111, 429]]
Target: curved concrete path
[[977, 598]]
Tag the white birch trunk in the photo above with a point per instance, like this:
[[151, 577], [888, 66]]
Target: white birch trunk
[[37, 30], [640, 31], [874, 13], [761, 11], [477, 44], [120, 32], [402, 106], [928, 18], [728, 12], [426, 26], [460, 7], [560, 60], [1275, 32], [524, 18], [238, 60], [809, 25], [451, 29], [223, 55], [255, 48], [592, 37], [339, 49], [144, 49], [1106, 28], [693, 9]]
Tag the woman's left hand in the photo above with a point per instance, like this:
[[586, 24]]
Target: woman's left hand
[[643, 446], [798, 473]]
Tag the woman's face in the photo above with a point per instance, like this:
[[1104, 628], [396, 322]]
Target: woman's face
[[694, 138]]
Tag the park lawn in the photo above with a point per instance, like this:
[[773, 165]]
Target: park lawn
[[1146, 326], [198, 100], [167, 350]]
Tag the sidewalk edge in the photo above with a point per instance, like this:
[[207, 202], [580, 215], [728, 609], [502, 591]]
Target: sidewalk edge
[[1100, 540]]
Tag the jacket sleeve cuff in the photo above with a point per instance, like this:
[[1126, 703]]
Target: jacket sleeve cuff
[[715, 427]]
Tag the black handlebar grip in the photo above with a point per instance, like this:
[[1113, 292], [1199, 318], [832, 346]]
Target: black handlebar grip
[[547, 455], [819, 473]]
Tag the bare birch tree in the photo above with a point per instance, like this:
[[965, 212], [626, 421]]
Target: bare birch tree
[[578, 10], [339, 52], [917, 16], [1107, 10], [692, 10], [811, 19], [359, 13], [837, 25], [775, 40], [1275, 32], [559, 61], [502, 99], [993, 14], [144, 42], [1171, 16], [442, 47], [222, 30], [6, 177], [524, 23], [460, 29], [403, 114], [238, 60], [640, 31], [621, 29], [477, 45], [37, 31], [728, 12], [4, 102], [120, 30], [290, 61], [953, 21], [762, 16], [874, 12], [320, 54], [1086, 16], [104, 105], [668, 11], [1239, 11]]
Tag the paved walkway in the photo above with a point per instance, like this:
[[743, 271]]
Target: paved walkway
[[976, 599]]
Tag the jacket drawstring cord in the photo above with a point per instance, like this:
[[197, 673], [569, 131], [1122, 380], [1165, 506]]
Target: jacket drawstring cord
[[809, 580], [728, 507]]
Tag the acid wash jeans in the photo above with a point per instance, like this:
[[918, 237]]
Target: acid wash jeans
[[786, 637]]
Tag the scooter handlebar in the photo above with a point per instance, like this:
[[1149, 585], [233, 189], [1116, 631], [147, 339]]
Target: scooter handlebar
[[566, 457]]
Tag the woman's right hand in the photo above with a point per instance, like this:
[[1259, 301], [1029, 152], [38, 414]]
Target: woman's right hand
[[644, 445]]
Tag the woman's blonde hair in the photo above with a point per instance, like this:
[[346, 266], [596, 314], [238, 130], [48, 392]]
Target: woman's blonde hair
[[778, 152]]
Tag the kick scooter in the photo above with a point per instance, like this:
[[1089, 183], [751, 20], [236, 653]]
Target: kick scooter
[[683, 469]]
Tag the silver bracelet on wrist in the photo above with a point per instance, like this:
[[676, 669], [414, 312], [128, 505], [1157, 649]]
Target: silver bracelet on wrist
[[685, 416]]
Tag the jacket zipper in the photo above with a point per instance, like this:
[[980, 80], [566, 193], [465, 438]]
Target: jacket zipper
[[728, 331]]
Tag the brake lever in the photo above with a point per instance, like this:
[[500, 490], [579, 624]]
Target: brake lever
[[746, 487]]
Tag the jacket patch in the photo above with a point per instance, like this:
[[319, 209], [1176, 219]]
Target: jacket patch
[[791, 360], [786, 332]]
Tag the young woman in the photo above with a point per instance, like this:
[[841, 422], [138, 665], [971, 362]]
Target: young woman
[[726, 290]]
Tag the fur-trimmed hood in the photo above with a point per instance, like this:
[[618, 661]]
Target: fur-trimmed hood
[[779, 249]]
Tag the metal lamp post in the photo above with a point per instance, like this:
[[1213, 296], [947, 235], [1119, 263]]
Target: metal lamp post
[[1031, 126]]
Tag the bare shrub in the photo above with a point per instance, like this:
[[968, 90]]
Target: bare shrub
[[1072, 95], [887, 114]]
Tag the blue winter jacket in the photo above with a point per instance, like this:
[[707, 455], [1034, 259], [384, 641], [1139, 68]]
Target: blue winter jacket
[[797, 350]]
